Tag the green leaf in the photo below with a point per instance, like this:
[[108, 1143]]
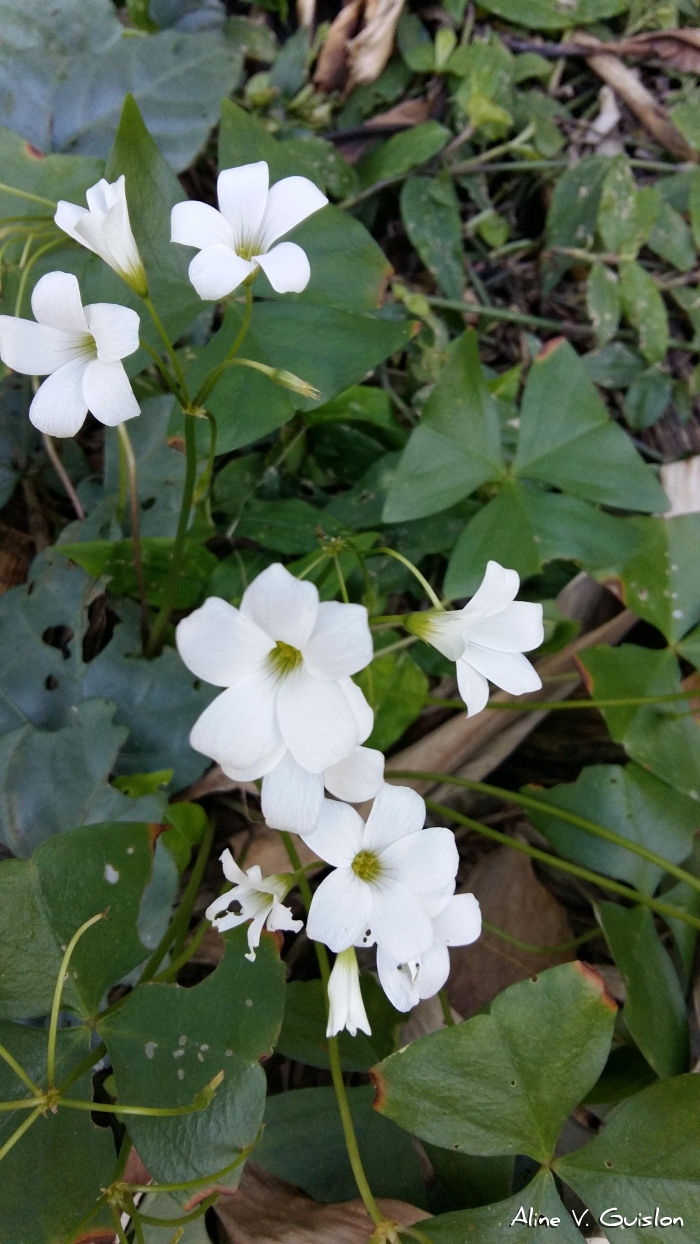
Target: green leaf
[[671, 238], [629, 801], [647, 398], [53, 1176], [663, 737], [659, 581], [167, 1043], [615, 366], [573, 213], [471, 1181], [549, 15], [694, 206], [567, 438], [525, 528], [603, 299], [361, 403], [483, 1086], [237, 482], [362, 506], [431, 217], [626, 1072], [396, 689], [303, 1035], [188, 821], [402, 152], [647, 1155], [509, 1220], [290, 526], [116, 562], [644, 307], [654, 1010], [626, 215], [51, 177], [456, 446], [303, 1143], [161, 1205], [45, 900], [343, 451]]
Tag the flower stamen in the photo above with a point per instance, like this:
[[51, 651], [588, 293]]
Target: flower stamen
[[367, 866], [285, 658]]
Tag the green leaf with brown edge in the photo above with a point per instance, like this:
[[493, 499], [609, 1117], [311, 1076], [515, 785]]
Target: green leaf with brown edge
[[456, 446], [53, 1176], [567, 438], [660, 582], [663, 738], [646, 1156], [654, 1010], [167, 1043], [483, 1086], [44, 901], [526, 1218]]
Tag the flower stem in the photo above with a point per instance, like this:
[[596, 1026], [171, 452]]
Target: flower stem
[[126, 451], [559, 948], [58, 994], [63, 475], [155, 642], [341, 581], [19, 1133], [207, 385], [446, 1008], [174, 360], [27, 267], [177, 929], [585, 874], [630, 701], [19, 1071], [25, 194], [416, 572]]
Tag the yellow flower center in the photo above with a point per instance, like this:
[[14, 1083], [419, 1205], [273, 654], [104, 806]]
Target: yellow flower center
[[285, 658], [366, 865]]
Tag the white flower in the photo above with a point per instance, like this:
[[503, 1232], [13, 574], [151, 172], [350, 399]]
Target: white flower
[[346, 1008], [259, 899], [104, 227], [487, 638], [458, 923], [290, 711], [237, 240], [382, 868], [79, 349]]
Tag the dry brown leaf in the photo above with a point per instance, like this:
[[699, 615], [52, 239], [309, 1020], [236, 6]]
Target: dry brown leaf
[[16, 552], [679, 49], [369, 51], [510, 897], [332, 65], [681, 483], [266, 1210]]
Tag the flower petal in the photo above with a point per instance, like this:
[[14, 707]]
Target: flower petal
[[99, 196], [396, 811], [231, 870], [242, 194], [358, 776], [67, 216], [220, 644], [56, 302], [337, 837], [459, 923], [108, 393], [292, 797], [286, 267], [239, 727], [116, 229], [434, 902], [397, 920], [59, 407], [346, 1007], [288, 203], [217, 270], [445, 631], [497, 589], [281, 918], [37, 350], [340, 643], [283, 606], [115, 329], [422, 862], [510, 671], [433, 971], [361, 711], [315, 719], [339, 910], [473, 688], [396, 979], [200, 225], [517, 628], [263, 764]]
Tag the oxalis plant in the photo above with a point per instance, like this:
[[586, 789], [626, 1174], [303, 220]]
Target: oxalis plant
[[95, 1026]]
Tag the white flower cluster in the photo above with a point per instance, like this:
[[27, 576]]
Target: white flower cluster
[[81, 349], [291, 715]]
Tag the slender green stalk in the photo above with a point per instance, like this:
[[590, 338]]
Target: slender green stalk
[[560, 948], [22, 1103], [630, 701], [181, 1222], [130, 1206], [85, 1064], [572, 818], [170, 973], [200, 1102], [446, 1008], [321, 558], [416, 573], [170, 590], [174, 360], [63, 475], [341, 580], [27, 267], [167, 377], [19, 1133], [19, 1071], [206, 478], [207, 385], [512, 317], [177, 929], [406, 642], [127, 449], [584, 874], [116, 1219], [25, 194], [201, 1179], [58, 994]]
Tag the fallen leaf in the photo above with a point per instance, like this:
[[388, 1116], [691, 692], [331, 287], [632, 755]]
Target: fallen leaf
[[332, 65], [266, 1210], [681, 483], [678, 49], [369, 51], [510, 897]]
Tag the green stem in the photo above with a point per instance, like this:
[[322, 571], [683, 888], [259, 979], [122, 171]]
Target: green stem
[[572, 818], [206, 478], [584, 874], [446, 1008], [19, 1071], [50, 246], [201, 1179], [200, 1102], [631, 701], [559, 948], [169, 380], [85, 1064], [127, 449], [177, 929], [208, 384], [116, 1219], [171, 585], [341, 581], [174, 360], [170, 973], [58, 994], [22, 1103], [416, 573], [512, 317], [19, 1133], [389, 619], [130, 1206], [25, 194], [180, 1222]]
